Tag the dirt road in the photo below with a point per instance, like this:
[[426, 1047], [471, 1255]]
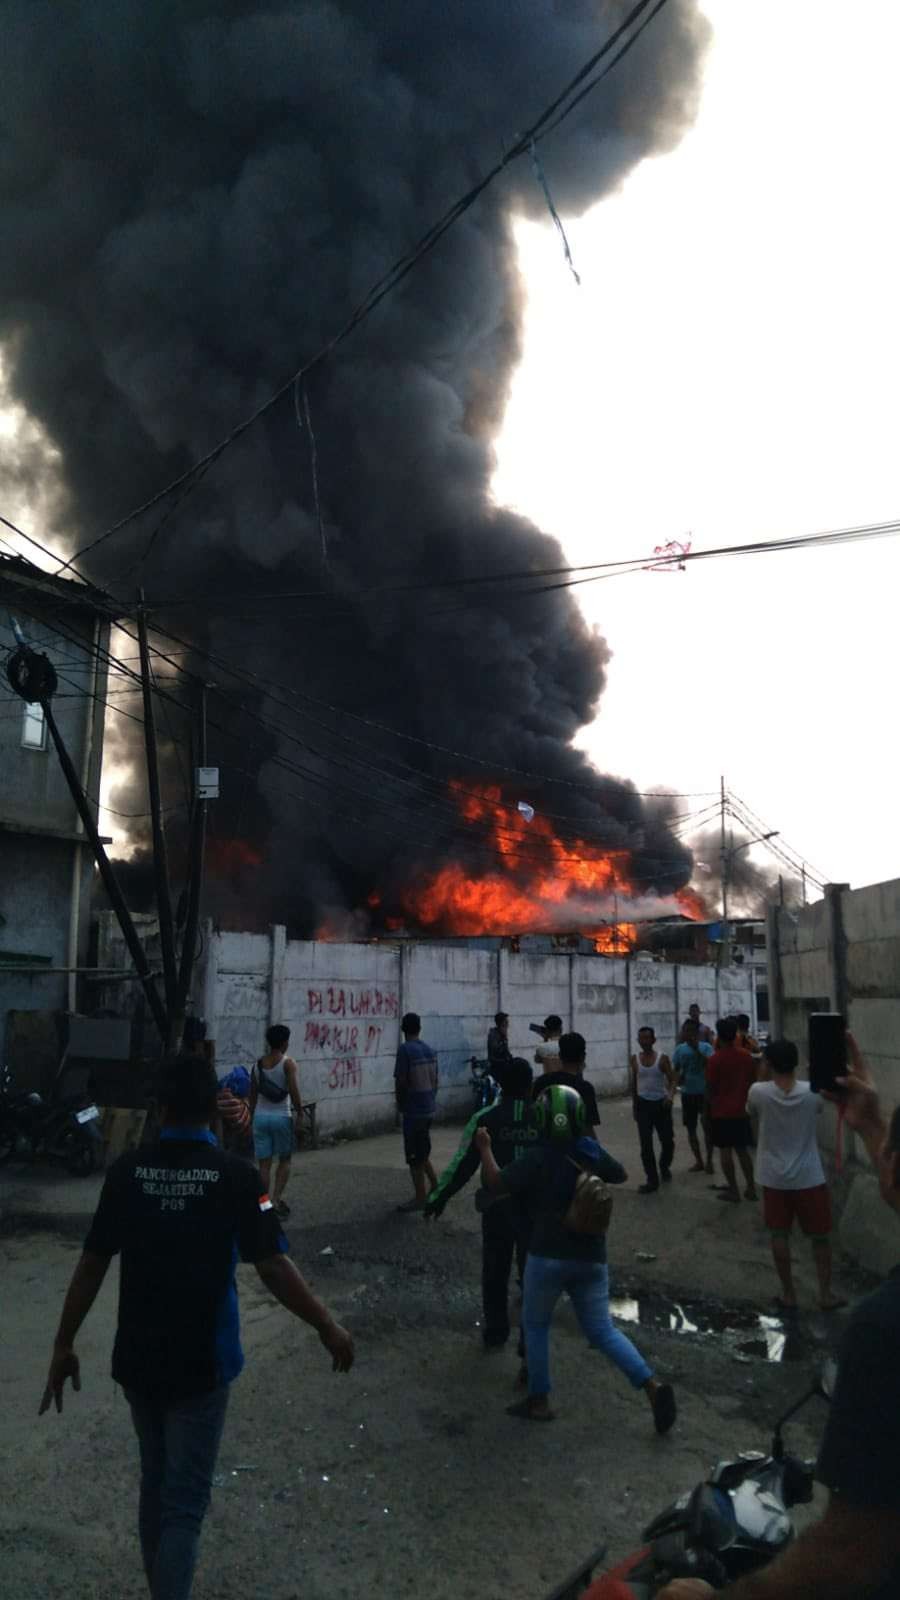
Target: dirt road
[[406, 1474]]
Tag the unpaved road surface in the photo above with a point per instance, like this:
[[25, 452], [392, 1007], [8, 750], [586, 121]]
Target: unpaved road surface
[[407, 1475]]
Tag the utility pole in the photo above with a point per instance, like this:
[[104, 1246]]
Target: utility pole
[[803, 881], [195, 870], [160, 854], [723, 850]]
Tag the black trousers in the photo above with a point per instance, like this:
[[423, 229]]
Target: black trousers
[[503, 1237], [655, 1116]]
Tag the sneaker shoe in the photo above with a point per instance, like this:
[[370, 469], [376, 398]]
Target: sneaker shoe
[[648, 1188]]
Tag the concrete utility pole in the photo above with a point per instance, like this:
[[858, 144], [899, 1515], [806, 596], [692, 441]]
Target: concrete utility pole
[[195, 880], [723, 850], [160, 856]]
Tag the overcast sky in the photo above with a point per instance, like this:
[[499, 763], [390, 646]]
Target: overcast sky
[[729, 369]]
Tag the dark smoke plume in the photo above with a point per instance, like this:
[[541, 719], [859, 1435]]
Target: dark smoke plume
[[751, 886], [194, 195]]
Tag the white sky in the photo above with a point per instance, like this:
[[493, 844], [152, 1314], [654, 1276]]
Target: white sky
[[728, 367]]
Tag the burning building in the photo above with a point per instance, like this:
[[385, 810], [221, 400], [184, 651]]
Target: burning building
[[195, 196]]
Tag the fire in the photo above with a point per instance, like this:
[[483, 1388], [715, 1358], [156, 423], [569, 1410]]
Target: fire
[[541, 882], [228, 856]]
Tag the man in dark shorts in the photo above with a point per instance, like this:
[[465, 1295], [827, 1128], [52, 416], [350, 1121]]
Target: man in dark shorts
[[853, 1551], [689, 1061], [730, 1072], [570, 1073], [415, 1085], [179, 1212]]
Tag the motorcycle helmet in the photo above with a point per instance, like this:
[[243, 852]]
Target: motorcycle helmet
[[560, 1115]]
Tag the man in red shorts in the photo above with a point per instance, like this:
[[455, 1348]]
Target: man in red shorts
[[789, 1169], [729, 1074]]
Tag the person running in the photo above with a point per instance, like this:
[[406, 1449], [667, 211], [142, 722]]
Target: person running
[[504, 1224], [561, 1261], [547, 1054], [179, 1212], [729, 1075], [789, 1169], [274, 1102], [415, 1086], [689, 1062], [570, 1073], [653, 1090], [498, 1051]]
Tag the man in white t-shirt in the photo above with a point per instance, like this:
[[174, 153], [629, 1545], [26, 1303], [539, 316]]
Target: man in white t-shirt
[[789, 1169]]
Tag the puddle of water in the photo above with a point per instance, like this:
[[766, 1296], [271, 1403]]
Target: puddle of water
[[747, 1333]]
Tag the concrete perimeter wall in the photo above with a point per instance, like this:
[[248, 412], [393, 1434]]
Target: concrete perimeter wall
[[343, 1004], [843, 954]]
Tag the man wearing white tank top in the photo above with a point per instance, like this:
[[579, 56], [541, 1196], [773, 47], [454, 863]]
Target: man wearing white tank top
[[653, 1091]]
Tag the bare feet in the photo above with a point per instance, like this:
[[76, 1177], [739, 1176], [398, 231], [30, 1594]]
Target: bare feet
[[698, 1167], [731, 1195]]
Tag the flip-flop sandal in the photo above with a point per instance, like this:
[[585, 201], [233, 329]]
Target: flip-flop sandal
[[524, 1410], [730, 1199], [786, 1307], [834, 1305], [664, 1408]]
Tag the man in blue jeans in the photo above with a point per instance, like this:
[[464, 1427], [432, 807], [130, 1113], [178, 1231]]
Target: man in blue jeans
[[561, 1261], [179, 1212]]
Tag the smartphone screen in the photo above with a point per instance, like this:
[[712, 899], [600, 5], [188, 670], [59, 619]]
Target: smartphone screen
[[827, 1050]]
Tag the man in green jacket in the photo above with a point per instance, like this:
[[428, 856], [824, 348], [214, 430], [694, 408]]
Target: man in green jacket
[[504, 1223]]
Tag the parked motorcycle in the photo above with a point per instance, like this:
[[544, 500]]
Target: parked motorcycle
[[484, 1087], [732, 1523], [65, 1129]]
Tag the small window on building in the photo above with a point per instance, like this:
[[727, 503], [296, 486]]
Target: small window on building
[[34, 728]]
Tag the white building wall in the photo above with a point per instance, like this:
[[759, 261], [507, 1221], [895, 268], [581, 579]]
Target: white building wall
[[343, 1004]]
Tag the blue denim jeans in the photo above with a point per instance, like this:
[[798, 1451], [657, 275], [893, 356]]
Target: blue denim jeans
[[178, 1447], [587, 1285]]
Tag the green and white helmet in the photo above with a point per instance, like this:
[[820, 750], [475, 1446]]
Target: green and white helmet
[[560, 1114]]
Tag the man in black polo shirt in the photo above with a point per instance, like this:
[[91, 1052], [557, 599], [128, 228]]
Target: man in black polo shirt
[[180, 1212], [853, 1553], [570, 1073]]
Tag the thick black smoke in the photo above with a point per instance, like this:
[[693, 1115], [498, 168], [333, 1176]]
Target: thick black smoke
[[194, 195]]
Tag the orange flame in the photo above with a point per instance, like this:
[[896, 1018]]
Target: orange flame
[[227, 856], [540, 883]]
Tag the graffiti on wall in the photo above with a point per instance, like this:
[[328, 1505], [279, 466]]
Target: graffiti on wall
[[337, 1002], [331, 1030]]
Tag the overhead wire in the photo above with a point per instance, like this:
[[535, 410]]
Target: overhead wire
[[555, 113]]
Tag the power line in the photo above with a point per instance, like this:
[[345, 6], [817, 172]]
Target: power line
[[547, 122]]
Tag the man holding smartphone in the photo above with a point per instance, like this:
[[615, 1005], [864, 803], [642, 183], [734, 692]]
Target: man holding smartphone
[[854, 1549]]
